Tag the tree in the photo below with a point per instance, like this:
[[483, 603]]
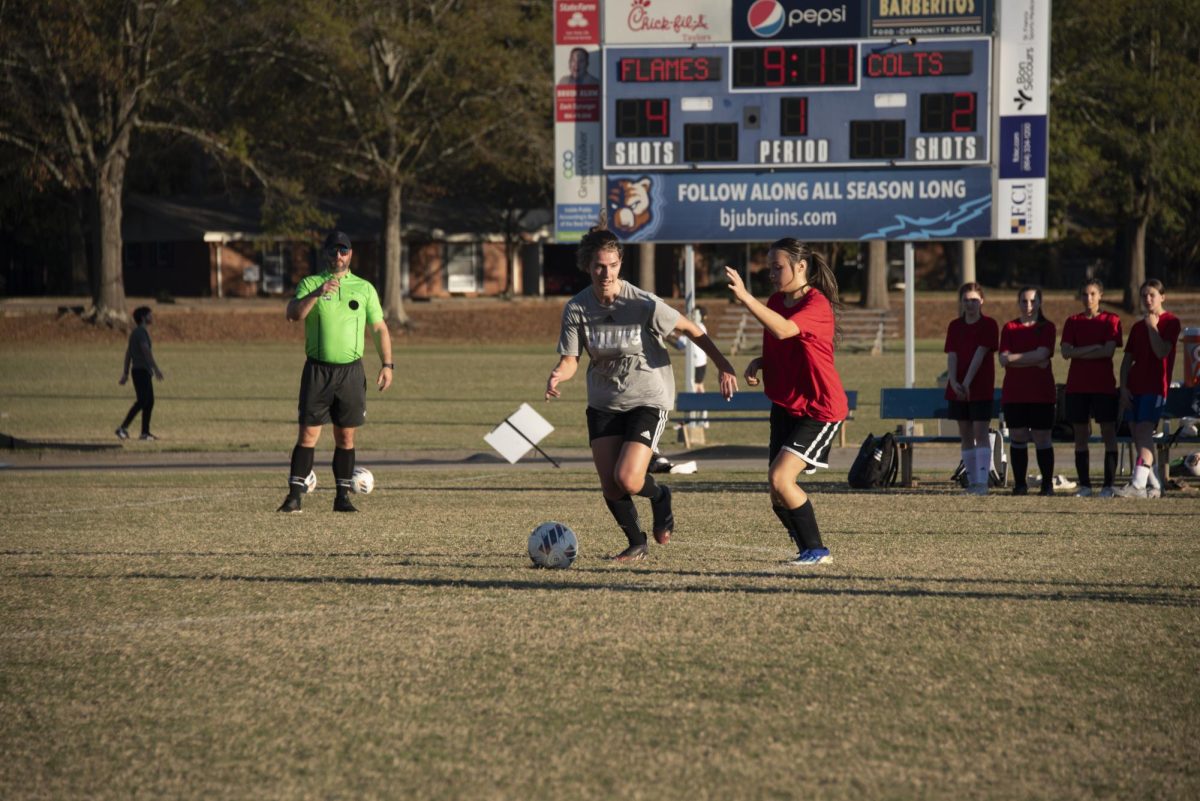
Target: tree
[[76, 77], [1125, 144], [405, 88]]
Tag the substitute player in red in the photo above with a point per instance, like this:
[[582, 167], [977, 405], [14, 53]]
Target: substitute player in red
[[1145, 378], [1028, 393], [971, 338], [808, 403], [1089, 340]]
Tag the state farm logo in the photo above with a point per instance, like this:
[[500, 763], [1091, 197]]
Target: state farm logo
[[642, 19]]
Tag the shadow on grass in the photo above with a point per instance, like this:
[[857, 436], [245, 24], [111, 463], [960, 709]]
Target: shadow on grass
[[797, 585]]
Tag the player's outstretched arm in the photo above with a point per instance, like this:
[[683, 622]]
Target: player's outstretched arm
[[563, 371], [693, 332]]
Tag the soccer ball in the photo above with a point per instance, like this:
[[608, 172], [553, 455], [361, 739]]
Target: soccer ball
[[310, 481], [553, 545], [362, 482], [1191, 463]]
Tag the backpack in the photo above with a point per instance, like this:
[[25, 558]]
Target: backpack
[[877, 463]]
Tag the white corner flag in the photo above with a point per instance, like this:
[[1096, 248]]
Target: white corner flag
[[520, 432]]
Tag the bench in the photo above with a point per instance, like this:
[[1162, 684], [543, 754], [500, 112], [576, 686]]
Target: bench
[[738, 409], [929, 403], [918, 403]]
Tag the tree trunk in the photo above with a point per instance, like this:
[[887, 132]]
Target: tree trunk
[[79, 279], [875, 288], [1136, 262], [108, 297], [646, 266], [393, 302]]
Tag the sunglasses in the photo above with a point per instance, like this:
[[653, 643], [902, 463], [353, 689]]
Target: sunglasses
[[341, 250]]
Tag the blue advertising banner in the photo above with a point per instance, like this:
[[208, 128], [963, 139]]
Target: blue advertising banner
[[917, 205], [786, 20], [1023, 143]]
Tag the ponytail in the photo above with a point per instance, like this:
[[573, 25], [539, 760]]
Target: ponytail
[[820, 276]]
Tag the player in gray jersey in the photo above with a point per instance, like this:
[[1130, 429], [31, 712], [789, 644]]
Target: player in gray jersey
[[630, 386]]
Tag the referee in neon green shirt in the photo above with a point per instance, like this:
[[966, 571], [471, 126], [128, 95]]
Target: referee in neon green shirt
[[336, 307]]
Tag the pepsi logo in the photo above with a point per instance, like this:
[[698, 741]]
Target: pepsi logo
[[766, 18]]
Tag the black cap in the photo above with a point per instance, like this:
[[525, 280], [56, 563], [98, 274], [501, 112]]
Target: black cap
[[337, 238]]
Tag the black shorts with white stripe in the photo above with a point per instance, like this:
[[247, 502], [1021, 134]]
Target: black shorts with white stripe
[[643, 424], [803, 436]]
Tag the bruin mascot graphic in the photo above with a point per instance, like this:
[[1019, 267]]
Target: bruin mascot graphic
[[630, 204]]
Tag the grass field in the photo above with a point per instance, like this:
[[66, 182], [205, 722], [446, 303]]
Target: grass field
[[217, 398], [165, 634]]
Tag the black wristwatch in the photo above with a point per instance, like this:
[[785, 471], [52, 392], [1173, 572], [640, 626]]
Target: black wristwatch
[[388, 365]]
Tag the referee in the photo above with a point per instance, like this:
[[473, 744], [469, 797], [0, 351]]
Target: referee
[[336, 307]]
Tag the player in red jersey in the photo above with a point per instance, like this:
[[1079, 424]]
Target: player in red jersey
[[1029, 393], [971, 338], [1089, 340], [808, 403], [1145, 377]]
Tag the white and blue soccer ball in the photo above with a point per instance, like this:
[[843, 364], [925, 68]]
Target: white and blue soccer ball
[[362, 481], [1191, 464], [310, 481], [553, 545]]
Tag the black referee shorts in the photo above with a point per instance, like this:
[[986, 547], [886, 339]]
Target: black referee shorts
[[336, 392]]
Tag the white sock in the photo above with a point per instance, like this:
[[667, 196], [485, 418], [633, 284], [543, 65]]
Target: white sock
[[968, 460], [983, 464], [1152, 478], [1141, 474]]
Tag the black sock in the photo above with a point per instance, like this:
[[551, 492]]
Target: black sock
[[1045, 460], [625, 513], [1083, 468], [805, 521], [651, 489], [786, 518], [1018, 452], [343, 469], [302, 462], [1110, 467]]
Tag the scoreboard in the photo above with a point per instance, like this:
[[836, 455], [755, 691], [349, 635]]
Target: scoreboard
[[859, 103], [827, 120]]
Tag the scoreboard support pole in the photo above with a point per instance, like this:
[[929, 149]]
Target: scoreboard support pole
[[689, 303], [910, 342]]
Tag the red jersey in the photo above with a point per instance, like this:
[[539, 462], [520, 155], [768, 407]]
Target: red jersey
[[1028, 384], [1149, 374], [1092, 375], [963, 339], [798, 372]]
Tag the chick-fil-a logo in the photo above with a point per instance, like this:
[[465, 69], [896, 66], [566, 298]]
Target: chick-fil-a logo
[[640, 19]]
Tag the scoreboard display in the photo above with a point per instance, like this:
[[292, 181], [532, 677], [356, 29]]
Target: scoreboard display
[[862, 103], [827, 120]]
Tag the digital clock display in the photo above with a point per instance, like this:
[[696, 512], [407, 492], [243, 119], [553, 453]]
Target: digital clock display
[[643, 119], [948, 112], [674, 69], [790, 67]]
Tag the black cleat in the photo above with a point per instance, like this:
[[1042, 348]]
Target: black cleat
[[290, 504], [343, 504], [634, 553], [664, 518]]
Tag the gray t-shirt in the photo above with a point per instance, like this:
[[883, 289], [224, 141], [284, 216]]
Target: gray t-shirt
[[629, 365]]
